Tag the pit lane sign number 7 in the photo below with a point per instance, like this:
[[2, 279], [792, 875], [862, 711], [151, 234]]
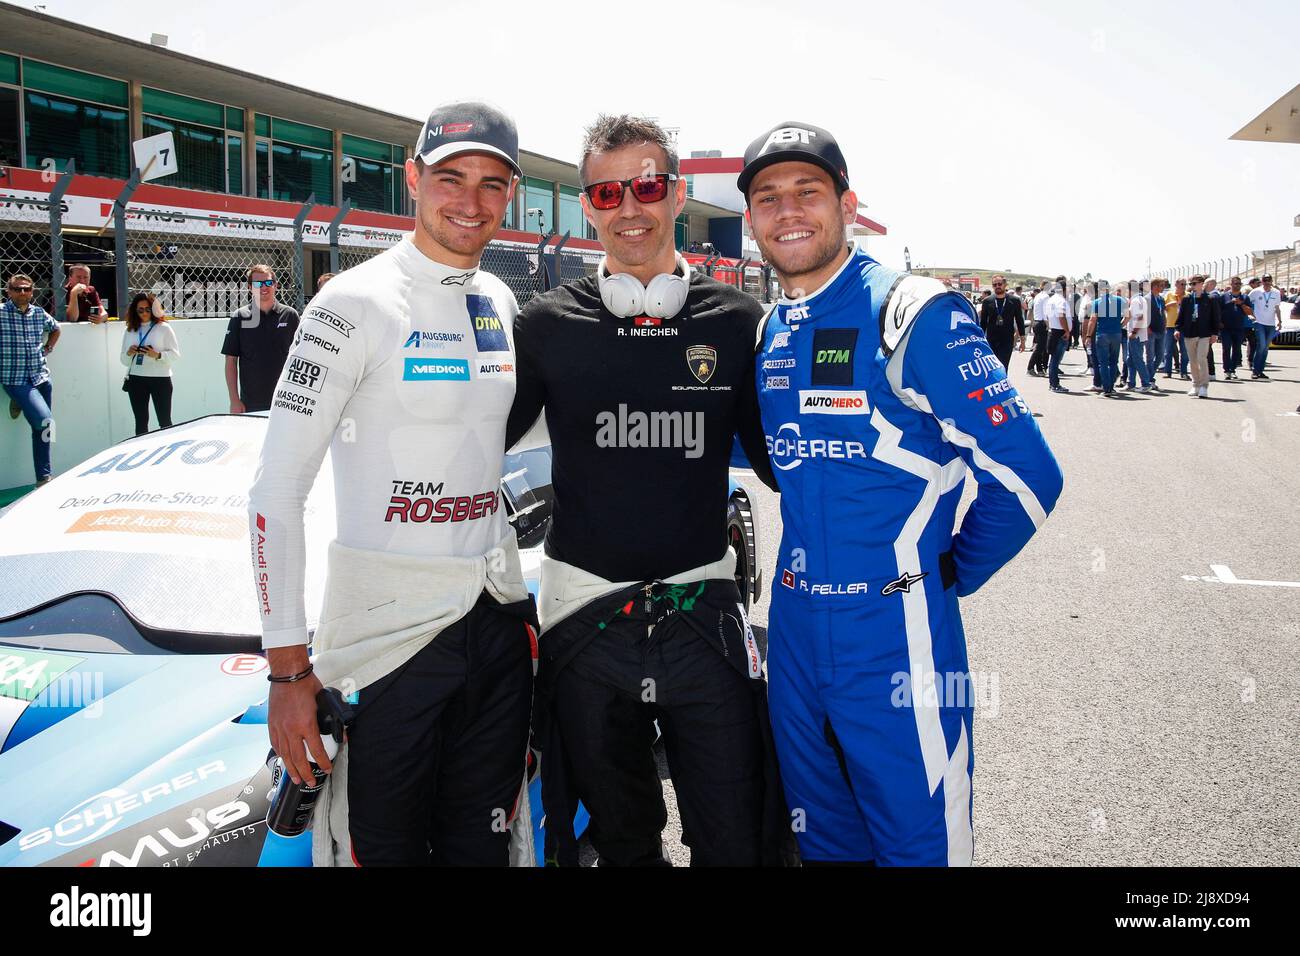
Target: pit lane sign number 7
[[155, 156]]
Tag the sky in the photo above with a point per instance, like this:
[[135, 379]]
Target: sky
[[1040, 138]]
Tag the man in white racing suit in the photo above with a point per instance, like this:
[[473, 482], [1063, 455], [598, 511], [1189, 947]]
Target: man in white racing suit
[[404, 367]]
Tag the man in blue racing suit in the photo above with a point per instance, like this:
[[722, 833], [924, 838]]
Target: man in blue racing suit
[[878, 391]]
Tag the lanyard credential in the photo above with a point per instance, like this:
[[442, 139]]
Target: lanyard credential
[[139, 357]]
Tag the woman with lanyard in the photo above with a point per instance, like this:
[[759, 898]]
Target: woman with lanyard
[[149, 348]]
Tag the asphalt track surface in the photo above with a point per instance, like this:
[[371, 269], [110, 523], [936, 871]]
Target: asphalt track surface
[[1126, 715]]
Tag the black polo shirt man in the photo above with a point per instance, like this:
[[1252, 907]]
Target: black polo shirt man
[[256, 346]]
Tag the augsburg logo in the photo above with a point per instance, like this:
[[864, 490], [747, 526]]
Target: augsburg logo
[[702, 361]]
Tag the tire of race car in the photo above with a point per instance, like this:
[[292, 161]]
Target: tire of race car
[[740, 537]]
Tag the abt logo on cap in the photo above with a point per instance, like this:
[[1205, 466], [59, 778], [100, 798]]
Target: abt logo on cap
[[787, 135]]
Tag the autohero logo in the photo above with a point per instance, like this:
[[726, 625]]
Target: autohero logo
[[97, 815], [420, 502], [634, 429], [335, 322], [489, 333], [495, 369], [981, 365], [260, 564], [303, 373], [76, 909], [788, 449], [833, 403], [443, 370], [420, 339]]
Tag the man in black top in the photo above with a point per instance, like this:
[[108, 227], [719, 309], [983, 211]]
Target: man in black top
[[646, 374], [1003, 321], [257, 345]]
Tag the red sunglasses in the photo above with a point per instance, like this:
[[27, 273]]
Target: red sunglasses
[[647, 189]]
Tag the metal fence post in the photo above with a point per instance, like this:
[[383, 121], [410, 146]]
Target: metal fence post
[[553, 263], [334, 233], [56, 241], [299, 266], [119, 239]]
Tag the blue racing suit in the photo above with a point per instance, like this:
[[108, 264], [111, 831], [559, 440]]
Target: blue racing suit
[[878, 392]]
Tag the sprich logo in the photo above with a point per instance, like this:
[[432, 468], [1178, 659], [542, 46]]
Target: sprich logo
[[442, 370], [702, 361], [489, 333]]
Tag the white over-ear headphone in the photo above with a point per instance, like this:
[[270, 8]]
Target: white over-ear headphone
[[625, 296]]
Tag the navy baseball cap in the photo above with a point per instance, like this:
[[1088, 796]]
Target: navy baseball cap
[[468, 128], [794, 142]]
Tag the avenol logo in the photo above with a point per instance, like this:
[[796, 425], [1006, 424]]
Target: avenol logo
[[441, 370], [833, 403]]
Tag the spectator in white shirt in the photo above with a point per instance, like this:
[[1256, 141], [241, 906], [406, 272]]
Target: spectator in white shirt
[[1057, 313], [1264, 302], [149, 347], [1139, 325]]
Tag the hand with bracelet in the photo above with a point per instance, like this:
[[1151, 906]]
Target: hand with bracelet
[[291, 711]]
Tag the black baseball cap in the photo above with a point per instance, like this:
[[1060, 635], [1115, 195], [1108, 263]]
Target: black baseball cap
[[468, 128], [792, 141]]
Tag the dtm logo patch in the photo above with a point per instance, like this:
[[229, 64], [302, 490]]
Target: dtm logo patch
[[833, 356], [489, 333], [435, 370], [702, 360]]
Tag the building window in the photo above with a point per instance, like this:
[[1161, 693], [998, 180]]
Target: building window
[[682, 231], [538, 194], [571, 219], [294, 162], [235, 165], [10, 138], [690, 185], [97, 137], [200, 154], [371, 179]]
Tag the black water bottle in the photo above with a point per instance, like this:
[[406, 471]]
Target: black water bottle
[[292, 804]]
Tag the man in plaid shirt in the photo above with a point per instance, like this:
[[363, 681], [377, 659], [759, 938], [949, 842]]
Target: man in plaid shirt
[[23, 374]]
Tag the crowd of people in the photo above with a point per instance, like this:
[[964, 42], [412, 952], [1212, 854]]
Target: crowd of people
[[255, 350], [1133, 330]]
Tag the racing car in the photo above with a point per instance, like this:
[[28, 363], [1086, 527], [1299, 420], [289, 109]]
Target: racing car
[[132, 681]]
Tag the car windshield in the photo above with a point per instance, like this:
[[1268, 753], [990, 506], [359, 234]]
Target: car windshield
[[526, 485]]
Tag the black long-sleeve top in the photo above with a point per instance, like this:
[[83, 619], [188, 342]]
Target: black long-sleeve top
[[642, 414]]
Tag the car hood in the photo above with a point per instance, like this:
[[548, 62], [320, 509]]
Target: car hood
[[104, 752]]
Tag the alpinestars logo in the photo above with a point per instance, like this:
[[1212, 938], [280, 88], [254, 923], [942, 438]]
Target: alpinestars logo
[[458, 280], [903, 584]]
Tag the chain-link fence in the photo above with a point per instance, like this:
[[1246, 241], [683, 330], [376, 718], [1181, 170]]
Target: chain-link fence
[[198, 265], [26, 248]]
